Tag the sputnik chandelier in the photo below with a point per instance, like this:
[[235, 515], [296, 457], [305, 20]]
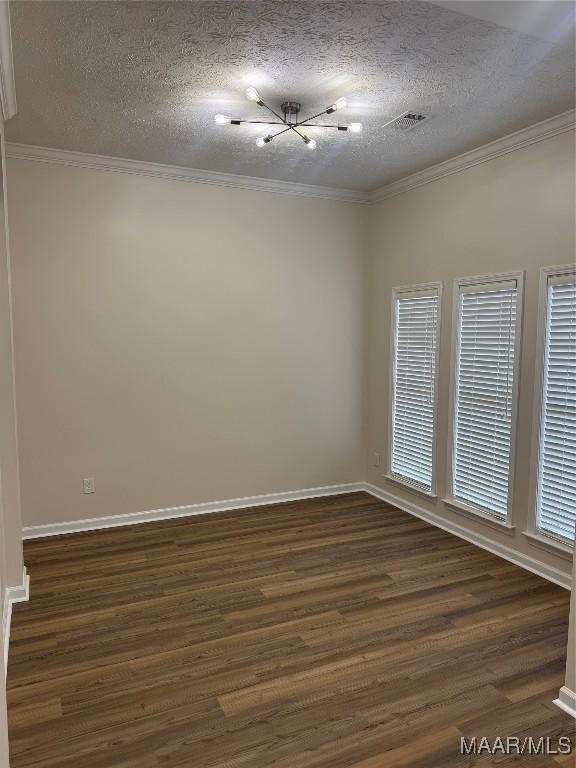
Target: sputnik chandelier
[[289, 120]]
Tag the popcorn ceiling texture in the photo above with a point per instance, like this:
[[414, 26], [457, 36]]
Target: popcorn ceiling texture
[[143, 80]]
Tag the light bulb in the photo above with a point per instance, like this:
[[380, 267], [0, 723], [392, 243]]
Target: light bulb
[[355, 127], [311, 144], [253, 94], [338, 104], [263, 140], [221, 119]]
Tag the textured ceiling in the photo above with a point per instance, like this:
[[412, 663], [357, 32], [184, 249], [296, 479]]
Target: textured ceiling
[[143, 80]]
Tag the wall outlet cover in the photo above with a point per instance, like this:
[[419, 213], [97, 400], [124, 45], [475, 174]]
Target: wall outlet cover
[[88, 485]]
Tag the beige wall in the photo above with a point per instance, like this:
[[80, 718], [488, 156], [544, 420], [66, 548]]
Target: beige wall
[[515, 212], [3, 515], [169, 344], [9, 480], [181, 342], [10, 525]]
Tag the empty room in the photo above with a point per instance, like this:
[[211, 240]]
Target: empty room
[[287, 383]]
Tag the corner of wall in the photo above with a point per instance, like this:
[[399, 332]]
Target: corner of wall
[[451, 240]]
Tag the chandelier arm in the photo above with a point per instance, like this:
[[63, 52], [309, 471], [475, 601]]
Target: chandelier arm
[[281, 132], [320, 125], [260, 122], [294, 128], [284, 122], [307, 120]]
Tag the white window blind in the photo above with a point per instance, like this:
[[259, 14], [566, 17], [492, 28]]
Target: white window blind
[[413, 385], [556, 502], [485, 369]]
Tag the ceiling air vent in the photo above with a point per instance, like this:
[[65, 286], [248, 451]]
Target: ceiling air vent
[[408, 120]]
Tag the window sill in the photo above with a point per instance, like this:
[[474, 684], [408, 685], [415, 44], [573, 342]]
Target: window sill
[[549, 543], [478, 514], [409, 487]]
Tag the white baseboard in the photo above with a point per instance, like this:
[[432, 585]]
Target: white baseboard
[[567, 701], [548, 572], [132, 518], [12, 595]]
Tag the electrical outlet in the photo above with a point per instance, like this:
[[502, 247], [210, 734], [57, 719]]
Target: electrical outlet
[[88, 485], [376, 459]]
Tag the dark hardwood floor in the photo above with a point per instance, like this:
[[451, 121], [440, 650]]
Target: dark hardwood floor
[[329, 633]]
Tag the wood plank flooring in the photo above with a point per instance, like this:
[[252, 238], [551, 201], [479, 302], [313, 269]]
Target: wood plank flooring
[[331, 633]]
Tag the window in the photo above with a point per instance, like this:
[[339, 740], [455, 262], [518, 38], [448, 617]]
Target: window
[[414, 366], [556, 493], [486, 353]]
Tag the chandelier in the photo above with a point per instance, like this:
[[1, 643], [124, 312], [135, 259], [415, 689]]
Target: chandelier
[[289, 120]]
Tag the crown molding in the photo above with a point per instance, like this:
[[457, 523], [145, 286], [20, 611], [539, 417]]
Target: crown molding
[[178, 173], [7, 86], [518, 140]]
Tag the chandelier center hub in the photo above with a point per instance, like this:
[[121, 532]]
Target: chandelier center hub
[[290, 108]]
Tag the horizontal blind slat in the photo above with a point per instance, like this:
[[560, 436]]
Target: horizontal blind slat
[[413, 395], [484, 390], [556, 499]]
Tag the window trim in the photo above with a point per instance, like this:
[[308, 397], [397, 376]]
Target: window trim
[[535, 535], [477, 512], [388, 474]]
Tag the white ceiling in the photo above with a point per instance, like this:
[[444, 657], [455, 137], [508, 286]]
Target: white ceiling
[[547, 20], [143, 80]]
